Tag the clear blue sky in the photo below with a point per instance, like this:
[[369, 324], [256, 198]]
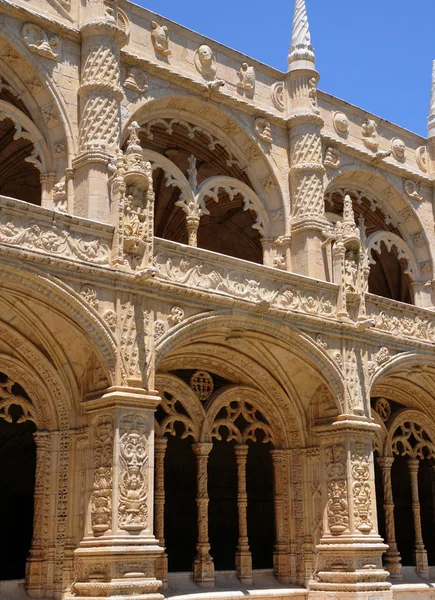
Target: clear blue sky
[[376, 54]]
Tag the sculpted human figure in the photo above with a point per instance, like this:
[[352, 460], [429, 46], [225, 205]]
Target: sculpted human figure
[[247, 78], [370, 134], [205, 61], [398, 147]]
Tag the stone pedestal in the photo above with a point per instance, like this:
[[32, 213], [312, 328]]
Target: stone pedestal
[[117, 556], [350, 550]]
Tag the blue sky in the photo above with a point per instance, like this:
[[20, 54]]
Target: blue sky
[[376, 54]]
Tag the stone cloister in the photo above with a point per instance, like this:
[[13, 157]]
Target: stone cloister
[[217, 327]]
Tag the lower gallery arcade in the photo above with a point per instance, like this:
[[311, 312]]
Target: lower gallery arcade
[[248, 474]]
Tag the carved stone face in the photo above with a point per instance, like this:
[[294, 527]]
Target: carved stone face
[[341, 122], [399, 148], [205, 54]]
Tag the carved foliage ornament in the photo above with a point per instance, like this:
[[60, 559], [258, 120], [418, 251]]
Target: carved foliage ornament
[[133, 479], [361, 487], [101, 500], [337, 508]]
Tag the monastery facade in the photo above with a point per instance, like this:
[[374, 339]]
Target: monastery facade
[[217, 327]]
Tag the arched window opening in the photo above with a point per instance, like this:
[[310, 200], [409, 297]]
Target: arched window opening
[[229, 229], [19, 177], [215, 468], [388, 277], [224, 223], [17, 472]]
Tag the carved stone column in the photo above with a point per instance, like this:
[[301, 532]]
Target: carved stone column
[[350, 550], [35, 567], [306, 160], [392, 555], [420, 551], [203, 568], [243, 554], [192, 223], [281, 555], [100, 111], [47, 181], [118, 553], [159, 506]]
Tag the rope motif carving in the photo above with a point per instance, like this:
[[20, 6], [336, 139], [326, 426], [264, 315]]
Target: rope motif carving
[[100, 121], [100, 65]]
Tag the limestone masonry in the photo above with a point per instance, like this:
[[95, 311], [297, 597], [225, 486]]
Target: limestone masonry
[[217, 320]]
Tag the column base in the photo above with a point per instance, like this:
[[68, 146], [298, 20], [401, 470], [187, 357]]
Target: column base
[[281, 566], [203, 570], [109, 571], [393, 564], [244, 566], [422, 566], [162, 569]]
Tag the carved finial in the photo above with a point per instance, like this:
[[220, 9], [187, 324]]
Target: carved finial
[[300, 48], [133, 144], [431, 119]]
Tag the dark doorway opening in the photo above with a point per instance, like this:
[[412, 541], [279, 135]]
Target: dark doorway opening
[[261, 514], [180, 502], [223, 518], [403, 518], [17, 474]]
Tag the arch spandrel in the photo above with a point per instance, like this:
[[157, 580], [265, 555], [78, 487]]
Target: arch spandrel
[[38, 87], [241, 142], [211, 342], [57, 297]]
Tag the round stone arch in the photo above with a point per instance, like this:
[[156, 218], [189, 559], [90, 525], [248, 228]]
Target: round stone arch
[[410, 393], [390, 197], [23, 71], [66, 303], [234, 364], [242, 144]]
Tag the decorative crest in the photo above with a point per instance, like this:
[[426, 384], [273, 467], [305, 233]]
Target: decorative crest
[[300, 48]]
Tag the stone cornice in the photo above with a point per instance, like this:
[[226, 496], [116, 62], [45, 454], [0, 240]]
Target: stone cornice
[[50, 23], [371, 159], [201, 88]]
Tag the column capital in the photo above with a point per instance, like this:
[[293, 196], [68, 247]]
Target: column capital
[[202, 448], [121, 397], [385, 462], [413, 464]]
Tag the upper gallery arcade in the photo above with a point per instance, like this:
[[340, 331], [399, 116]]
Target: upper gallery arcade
[[216, 318]]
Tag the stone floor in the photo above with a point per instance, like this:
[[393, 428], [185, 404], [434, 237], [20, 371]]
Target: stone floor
[[228, 587]]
